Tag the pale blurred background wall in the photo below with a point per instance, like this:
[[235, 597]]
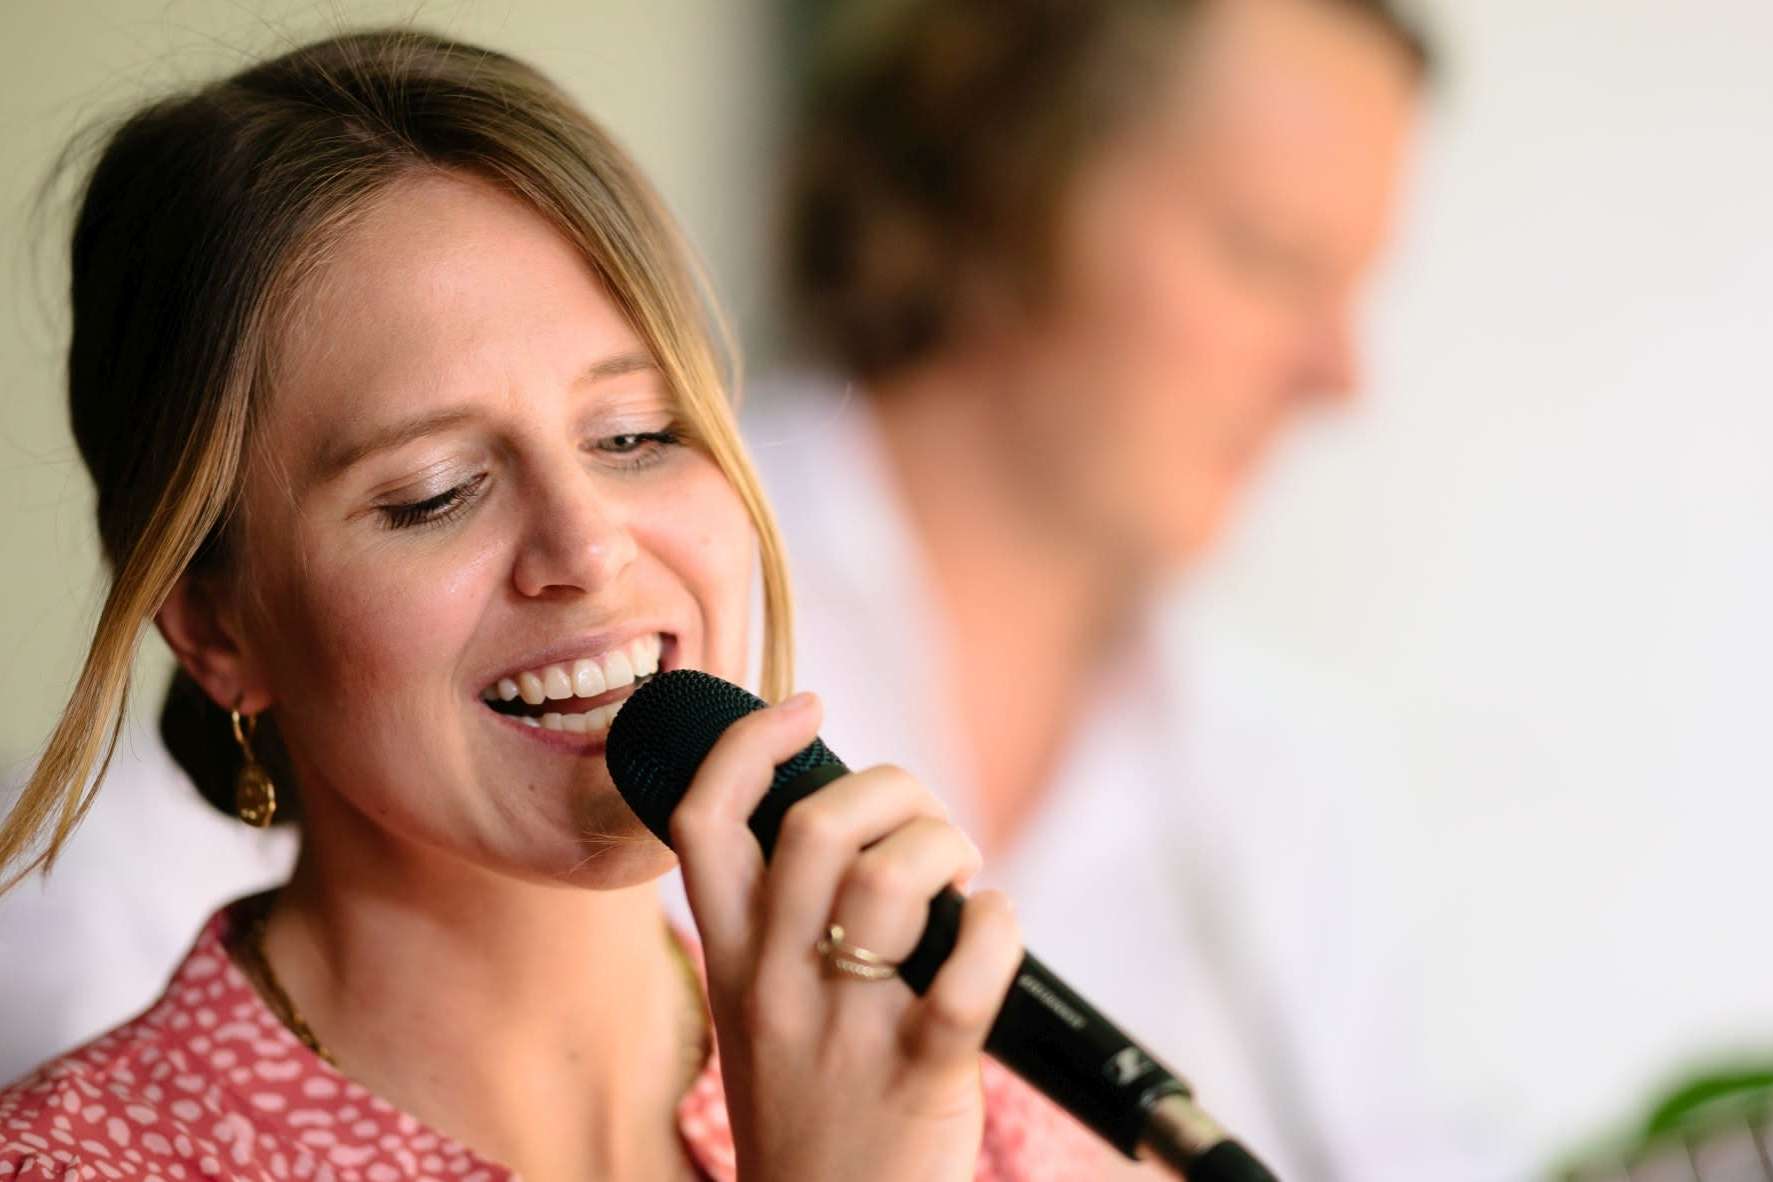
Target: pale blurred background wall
[[1546, 536]]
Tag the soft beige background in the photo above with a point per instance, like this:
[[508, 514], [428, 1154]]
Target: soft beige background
[[692, 86]]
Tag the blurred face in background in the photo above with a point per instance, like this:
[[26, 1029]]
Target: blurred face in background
[[1207, 270]]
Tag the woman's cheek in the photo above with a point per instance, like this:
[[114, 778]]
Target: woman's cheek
[[388, 618]]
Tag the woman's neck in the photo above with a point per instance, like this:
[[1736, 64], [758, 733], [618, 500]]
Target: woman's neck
[[550, 1028], [1025, 605]]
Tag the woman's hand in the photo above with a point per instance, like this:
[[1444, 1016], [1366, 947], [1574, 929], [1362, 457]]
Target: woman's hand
[[830, 1076]]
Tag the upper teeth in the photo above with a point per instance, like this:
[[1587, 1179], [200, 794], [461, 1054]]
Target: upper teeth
[[584, 678]]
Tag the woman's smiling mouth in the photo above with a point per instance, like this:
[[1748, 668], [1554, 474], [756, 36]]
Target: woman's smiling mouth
[[581, 696]]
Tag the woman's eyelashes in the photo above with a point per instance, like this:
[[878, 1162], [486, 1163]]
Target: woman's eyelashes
[[627, 452], [639, 449], [444, 507]]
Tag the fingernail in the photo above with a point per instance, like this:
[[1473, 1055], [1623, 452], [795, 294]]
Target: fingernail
[[798, 702]]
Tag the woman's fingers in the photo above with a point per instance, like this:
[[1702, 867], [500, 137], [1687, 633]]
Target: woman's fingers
[[869, 851], [723, 867], [883, 902], [950, 1024], [822, 837]]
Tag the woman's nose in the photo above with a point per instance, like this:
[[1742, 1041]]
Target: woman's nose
[[575, 540]]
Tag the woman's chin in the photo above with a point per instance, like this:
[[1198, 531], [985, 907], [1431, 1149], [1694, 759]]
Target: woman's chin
[[616, 848]]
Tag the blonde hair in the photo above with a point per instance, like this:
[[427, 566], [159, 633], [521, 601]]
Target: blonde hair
[[200, 220]]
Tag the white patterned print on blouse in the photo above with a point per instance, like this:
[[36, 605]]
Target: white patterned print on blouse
[[208, 1085]]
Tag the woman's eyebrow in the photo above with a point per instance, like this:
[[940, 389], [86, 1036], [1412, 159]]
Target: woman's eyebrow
[[338, 458], [617, 366]]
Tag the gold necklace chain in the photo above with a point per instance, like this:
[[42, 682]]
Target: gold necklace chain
[[276, 994], [284, 1007]]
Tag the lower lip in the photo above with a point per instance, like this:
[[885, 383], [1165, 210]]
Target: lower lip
[[569, 742]]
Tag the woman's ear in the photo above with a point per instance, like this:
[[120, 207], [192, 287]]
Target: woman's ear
[[204, 635]]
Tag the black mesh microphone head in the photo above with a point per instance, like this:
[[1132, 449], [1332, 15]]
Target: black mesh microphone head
[[667, 727]]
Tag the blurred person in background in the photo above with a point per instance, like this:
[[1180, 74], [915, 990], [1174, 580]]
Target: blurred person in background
[[1069, 269]]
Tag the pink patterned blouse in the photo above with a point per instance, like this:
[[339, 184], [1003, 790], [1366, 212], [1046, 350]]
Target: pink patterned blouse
[[208, 1084]]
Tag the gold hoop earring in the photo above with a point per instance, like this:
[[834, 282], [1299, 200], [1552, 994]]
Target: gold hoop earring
[[255, 796]]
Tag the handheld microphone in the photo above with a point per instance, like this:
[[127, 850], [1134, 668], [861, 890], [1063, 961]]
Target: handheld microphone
[[1044, 1032]]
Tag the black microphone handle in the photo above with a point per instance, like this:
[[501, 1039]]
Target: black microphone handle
[[1057, 1041]]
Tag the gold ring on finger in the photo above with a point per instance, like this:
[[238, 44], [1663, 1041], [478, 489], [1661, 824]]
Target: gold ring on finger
[[841, 956]]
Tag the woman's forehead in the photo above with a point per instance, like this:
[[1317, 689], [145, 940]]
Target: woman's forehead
[[445, 286]]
